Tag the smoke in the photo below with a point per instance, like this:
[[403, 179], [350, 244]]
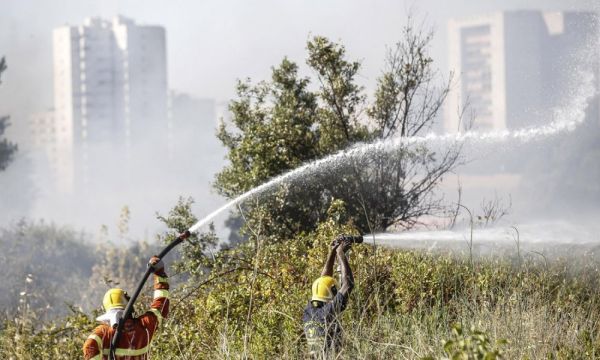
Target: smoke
[[160, 184], [148, 177]]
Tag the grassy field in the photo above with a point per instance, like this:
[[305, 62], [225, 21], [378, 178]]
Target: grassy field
[[406, 305], [246, 302]]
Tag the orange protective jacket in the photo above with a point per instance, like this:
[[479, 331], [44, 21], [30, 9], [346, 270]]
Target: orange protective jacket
[[137, 334]]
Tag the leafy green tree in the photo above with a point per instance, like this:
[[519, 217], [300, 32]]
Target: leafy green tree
[[287, 121], [276, 123], [192, 255], [401, 307], [7, 149]]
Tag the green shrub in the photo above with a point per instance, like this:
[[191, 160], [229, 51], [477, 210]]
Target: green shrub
[[248, 301]]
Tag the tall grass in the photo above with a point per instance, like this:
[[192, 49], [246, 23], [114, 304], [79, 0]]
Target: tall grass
[[404, 306]]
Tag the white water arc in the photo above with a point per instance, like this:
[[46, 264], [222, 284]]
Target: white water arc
[[530, 235], [566, 118]]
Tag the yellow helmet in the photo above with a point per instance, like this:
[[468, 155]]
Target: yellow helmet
[[324, 289], [115, 299]]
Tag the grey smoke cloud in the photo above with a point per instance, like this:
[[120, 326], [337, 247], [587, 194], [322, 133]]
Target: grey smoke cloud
[[209, 45]]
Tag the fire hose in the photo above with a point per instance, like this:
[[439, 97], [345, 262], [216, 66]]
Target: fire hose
[[129, 308], [133, 298]]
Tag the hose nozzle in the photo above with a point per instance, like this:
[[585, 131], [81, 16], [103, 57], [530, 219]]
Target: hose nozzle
[[353, 239]]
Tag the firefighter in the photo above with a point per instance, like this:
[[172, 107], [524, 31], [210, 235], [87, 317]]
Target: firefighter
[[321, 325], [134, 342]]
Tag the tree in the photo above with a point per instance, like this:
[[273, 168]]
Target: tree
[[7, 149], [283, 123], [277, 132], [397, 188], [193, 254]]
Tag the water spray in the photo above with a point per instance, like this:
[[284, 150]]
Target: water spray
[[566, 119], [554, 235]]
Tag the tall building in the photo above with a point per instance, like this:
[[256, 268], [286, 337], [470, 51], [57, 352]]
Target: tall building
[[512, 67], [42, 131], [110, 94]]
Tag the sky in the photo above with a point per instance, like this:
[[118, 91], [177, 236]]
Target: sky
[[213, 43], [210, 44]]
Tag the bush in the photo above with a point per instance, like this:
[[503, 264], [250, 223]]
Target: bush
[[249, 302], [32, 263]]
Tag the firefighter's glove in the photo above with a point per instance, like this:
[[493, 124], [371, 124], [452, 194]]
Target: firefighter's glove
[[337, 241], [156, 264], [344, 247]]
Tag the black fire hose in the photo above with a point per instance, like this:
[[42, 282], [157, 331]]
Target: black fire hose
[[129, 307]]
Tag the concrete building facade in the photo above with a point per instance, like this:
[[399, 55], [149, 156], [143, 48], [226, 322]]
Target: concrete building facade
[[110, 94], [512, 67]]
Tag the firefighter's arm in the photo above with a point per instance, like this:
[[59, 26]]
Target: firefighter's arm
[[94, 344], [328, 267], [347, 277], [159, 309]]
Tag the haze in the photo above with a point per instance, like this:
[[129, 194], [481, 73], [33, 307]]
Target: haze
[[209, 46]]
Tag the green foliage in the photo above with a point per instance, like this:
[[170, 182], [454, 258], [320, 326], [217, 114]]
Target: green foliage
[[273, 138], [340, 95], [475, 345], [401, 99], [24, 337], [287, 121], [277, 124], [250, 305], [246, 301], [39, 258], [32, 264], [2, 67], [190, 256], [114, 266]]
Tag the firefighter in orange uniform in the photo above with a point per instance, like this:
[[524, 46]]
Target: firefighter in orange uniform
[[134, 343]]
